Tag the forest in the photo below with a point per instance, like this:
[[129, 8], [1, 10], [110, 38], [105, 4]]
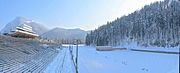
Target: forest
[[157, 24]]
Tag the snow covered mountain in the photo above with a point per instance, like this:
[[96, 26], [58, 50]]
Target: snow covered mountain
[[37, 27], [61, 33], [56, 33]]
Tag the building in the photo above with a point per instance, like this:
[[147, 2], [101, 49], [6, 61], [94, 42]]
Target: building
[[108, 48], [24, 31]]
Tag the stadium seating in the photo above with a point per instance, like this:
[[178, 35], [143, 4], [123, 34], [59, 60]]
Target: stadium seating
[[24, 56]]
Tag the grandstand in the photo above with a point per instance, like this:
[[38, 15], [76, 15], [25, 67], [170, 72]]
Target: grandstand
[[24, 31], [20, 55]]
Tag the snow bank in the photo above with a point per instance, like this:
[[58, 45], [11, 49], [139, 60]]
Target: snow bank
[[45, 46], [152, 48]]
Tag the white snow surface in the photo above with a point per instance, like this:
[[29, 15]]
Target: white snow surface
[[152, 48], [126, 61]]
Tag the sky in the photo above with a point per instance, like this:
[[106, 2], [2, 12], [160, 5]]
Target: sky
[[84, 14]]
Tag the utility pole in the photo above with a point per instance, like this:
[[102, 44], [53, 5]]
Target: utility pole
[[77, 42]]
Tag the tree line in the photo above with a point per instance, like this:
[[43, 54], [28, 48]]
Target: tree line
[[157, 24]]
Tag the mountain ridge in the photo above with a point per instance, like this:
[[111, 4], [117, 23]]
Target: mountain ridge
[[55, 33], [62, 33], [37, 27]]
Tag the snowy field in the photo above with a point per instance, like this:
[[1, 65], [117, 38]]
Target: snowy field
[[92, 61]]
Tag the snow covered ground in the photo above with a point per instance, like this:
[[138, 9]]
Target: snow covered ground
[[134, 45], [126, 61], [62, 63], [171, 49]]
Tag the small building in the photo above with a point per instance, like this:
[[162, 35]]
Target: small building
[[108, 48], [24, 31], [104, 48]]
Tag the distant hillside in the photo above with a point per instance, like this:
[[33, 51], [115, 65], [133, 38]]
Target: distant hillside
[[157, 24], [37, 27], [61, 33]]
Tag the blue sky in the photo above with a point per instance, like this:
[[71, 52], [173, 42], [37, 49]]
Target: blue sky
[[84, 14]]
